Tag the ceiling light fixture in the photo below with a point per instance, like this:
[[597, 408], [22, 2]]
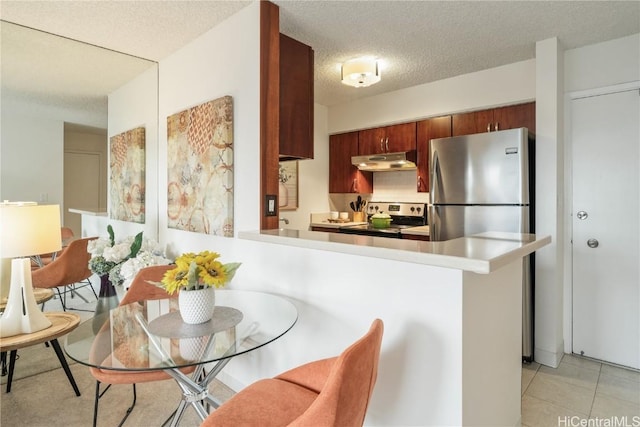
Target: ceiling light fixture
[[360, 72]]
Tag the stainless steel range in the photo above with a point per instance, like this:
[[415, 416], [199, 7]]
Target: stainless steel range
[[403, 215]]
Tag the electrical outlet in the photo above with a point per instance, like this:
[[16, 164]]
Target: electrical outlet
[[271, 205]]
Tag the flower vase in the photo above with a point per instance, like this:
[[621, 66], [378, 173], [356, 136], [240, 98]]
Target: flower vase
[[197, 306], [107, 299]]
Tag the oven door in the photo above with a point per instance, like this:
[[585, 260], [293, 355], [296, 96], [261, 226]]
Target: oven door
[[366, 230]]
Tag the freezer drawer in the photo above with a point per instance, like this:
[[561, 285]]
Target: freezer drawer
[[451, 222]]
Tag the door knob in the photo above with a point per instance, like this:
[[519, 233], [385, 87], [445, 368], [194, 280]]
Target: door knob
[[593, 243], [582, 215]]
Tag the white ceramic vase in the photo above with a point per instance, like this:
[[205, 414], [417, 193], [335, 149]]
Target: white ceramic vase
[[197, 306]]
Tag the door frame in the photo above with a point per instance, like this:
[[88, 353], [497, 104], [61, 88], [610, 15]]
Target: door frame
[[567, 306]]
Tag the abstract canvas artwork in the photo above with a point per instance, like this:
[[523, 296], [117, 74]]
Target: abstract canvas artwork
[[200, 168], [127, 165]]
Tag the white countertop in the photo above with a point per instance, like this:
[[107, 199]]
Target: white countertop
[[87, 212], [481, 253], [322, 220]]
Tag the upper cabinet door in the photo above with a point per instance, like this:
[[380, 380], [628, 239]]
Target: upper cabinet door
[[503, 118], [371, 141], [400, 137], [388, 139], [437, 127], [296, 99], [516, 116], [473, 122], [344, 177]]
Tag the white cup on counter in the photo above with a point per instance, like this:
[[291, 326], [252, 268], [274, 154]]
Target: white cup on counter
[[333, 215], [344, 215]]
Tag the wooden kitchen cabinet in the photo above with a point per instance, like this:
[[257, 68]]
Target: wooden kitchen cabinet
[[502, 118], [344, 177], [436, 127], [388, 139], [296, 99]]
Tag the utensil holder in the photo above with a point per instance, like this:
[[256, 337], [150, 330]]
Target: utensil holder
[[358, 217]]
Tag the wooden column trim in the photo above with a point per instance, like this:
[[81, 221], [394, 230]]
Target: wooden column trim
[[269, 109]]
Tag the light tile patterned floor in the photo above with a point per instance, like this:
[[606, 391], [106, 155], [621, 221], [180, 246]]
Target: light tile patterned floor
[[580, 392]]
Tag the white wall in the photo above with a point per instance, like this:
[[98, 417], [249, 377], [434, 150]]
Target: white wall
[[603, 64], [32, 149]]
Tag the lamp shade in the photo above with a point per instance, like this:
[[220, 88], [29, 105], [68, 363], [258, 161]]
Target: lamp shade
[[28, 229], [361, 72]]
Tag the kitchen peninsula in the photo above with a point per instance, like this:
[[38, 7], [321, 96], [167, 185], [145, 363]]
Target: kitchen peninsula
[[452, 311]]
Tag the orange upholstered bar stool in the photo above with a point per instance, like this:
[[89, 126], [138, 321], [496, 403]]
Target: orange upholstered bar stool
[[325, 393]]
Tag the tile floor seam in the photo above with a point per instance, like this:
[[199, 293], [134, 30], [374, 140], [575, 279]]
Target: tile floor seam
[[595, 392], [558, 405]]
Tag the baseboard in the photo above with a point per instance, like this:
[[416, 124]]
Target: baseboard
[[548, 358]]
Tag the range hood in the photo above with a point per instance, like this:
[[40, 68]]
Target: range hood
[[386, 162]]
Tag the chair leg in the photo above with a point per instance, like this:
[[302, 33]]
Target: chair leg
[[90, 285], [3, 362], [62, 299], [12, 364], [65, 365], [99, 395]]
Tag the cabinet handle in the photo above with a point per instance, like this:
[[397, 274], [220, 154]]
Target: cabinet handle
[[488, 127], [419, 182], [355, 185], [386, 143], [497, 126], [382, 145]]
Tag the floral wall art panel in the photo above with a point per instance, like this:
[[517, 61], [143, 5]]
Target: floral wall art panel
[[127, 165], [200, 168], [288, 186]]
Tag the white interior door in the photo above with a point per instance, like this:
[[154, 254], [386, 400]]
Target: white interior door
[[605, 217]]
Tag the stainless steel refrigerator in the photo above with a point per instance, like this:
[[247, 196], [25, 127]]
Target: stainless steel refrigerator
[[482, 183]]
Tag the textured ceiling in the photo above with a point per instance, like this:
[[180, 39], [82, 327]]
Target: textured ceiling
[[416, 41]]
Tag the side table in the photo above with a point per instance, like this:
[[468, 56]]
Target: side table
[[62, 324]]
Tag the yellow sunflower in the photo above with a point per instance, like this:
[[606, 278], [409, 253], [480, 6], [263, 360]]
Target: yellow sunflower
[[213, 273]]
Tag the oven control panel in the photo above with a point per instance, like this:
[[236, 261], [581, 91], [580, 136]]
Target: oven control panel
[[397, 208]]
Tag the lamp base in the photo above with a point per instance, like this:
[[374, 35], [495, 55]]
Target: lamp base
[[22, 315]]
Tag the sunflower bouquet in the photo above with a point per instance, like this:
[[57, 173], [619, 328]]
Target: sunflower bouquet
[[198, 271]]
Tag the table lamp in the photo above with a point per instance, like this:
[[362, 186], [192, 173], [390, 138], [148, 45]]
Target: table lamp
[[25, 229]]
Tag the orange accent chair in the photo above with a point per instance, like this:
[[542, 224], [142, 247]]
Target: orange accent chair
[[140, 290], [68, 269], [325, 393]]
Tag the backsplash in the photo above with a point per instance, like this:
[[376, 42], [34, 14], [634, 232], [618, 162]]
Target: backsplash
[[397, 186]]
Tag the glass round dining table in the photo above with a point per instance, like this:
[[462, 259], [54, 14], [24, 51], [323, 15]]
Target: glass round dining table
[[150, 335]]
